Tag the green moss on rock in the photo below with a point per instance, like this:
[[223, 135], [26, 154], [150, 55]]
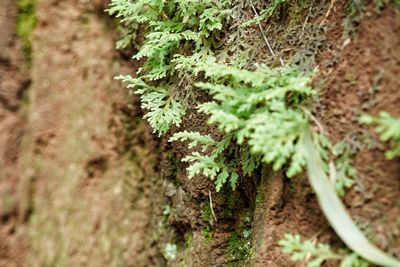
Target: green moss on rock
[[240, 249], [26, 22]]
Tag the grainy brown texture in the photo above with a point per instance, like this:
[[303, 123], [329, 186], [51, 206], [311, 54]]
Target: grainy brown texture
[[14, 80], [365, 80], [359, 78], [90, 203]]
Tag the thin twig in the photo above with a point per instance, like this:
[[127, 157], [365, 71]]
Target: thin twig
[[314, 119], [265, 37], [314, 242], [306, 21], [211, 205], [328, 12]]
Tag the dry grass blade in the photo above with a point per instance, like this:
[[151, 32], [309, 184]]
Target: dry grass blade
[[336, 213]]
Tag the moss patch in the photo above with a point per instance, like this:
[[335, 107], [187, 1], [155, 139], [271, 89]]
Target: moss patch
[[26, 22], [207, 233], [240, 249], [206, 212]]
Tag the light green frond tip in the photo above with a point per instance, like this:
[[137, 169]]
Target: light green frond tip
[[163, 110], [388, 128], [315, 254]]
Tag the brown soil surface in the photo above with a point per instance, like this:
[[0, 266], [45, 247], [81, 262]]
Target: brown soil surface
[[61, 160], [365, 80], [360, 78], [13, 82]]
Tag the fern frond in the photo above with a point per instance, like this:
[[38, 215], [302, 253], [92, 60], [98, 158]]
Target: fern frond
[[170, 25], [345, 172], [388, 128], [261, 110], [213, 166], [276, 135], [195, 139], [203, 164], [222, 145], [227, 122], [316, 254], [162, 108], [163, 111], [248, 161]]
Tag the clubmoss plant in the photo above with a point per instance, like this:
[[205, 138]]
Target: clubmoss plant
[[388, 128], [173, 28], [316, 254], [262, 113]]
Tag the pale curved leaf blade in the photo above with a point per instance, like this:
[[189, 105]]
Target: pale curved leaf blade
[[336, 213]]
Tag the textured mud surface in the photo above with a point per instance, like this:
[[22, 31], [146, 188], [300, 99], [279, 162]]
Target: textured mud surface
[[13, 82], [364, 80], [69, 195], [357, 76]]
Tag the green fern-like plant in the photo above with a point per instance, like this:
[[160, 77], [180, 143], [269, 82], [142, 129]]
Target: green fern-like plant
[[211, 161], [344, 170], [210, 158], [261, 107], [173, 28], [163, 110], [388, 128], [261, 111], [316, 254]]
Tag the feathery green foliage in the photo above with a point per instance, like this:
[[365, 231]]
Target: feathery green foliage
[[195, 139], [344, 170], [173, 27], [260, 107], [214, 164], [163, 109], [388, 127], [261, 111], [316, 254]]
